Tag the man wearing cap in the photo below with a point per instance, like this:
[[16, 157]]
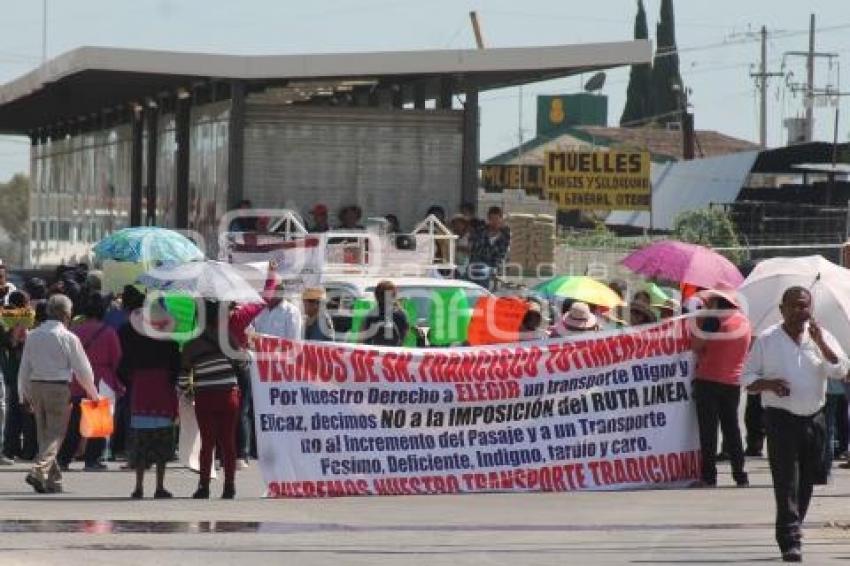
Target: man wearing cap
[[280, 317], [318, 325], [789, 366], [721, 340], [320, 219]]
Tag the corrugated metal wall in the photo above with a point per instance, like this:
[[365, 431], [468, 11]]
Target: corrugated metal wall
[[208, 154], [80, 193], [387, 161]]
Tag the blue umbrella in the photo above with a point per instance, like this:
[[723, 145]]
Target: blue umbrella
[[147, 244]]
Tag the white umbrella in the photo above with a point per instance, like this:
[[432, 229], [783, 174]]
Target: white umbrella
[[828, 283], [209, 279]]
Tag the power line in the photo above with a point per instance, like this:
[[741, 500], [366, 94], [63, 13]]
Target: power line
[[744, 41]]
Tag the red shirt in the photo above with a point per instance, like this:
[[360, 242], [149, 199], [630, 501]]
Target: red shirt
[[720, 355]]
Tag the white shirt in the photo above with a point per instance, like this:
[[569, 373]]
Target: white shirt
[[283, 321], [776, 356], [54, 353], [9, 290]]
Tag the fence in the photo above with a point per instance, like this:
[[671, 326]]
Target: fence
[[605, 263]]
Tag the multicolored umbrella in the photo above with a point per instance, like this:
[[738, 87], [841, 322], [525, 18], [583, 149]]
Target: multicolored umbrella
[[148, 244], [579, 288], [670, 260]]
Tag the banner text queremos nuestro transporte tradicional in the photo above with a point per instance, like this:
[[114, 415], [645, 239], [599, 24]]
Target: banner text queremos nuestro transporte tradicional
[[611, 411]]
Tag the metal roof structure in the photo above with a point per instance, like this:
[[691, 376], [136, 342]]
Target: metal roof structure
[[662, 144], [88, 80], [828, 168], [680, 186]]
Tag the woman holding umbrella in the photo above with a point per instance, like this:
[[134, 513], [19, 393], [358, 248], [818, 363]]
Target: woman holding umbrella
[[211, 376]]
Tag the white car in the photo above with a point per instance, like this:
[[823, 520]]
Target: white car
[[342, 291]]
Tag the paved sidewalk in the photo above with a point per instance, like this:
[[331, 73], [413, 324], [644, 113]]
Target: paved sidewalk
[[95, 523]]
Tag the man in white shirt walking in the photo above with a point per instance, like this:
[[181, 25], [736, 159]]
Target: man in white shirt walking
[[789, 366], [52, 356], [280, 318]]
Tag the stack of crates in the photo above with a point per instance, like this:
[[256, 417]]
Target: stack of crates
[[532, 242]]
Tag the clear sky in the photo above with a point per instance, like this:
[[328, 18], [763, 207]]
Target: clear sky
[[715, 57]]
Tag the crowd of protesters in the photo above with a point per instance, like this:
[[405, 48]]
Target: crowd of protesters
[[85, 340]]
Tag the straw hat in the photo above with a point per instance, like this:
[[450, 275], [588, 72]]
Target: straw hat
[[313, 294], [579, 317]]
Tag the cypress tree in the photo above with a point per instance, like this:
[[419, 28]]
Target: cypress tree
[[638, 96], [665, 68]]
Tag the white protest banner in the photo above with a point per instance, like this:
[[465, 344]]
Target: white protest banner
[[609, 411]]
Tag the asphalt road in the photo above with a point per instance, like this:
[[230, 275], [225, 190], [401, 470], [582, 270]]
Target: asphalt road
[[94, 522]]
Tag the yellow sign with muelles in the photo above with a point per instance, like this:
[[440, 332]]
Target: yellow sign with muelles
[[598, 180]]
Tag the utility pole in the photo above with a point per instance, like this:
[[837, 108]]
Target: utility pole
[[761, 79], [688, 134], [44, 32], [808, 88], [810, 82]]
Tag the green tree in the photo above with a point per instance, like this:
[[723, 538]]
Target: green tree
[[666, 78], [14, 216], [639, 94], [710, 227]]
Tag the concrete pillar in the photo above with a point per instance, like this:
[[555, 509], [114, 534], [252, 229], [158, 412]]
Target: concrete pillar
[[419, 94], [152, 126], [236, 145], [444, 102], [136, 169], [182, 123], [469, 172]]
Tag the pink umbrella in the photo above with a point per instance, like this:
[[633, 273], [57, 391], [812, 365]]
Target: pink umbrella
[[670, 260]]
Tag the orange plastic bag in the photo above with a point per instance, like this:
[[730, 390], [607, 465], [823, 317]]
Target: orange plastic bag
[[95, 418]]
